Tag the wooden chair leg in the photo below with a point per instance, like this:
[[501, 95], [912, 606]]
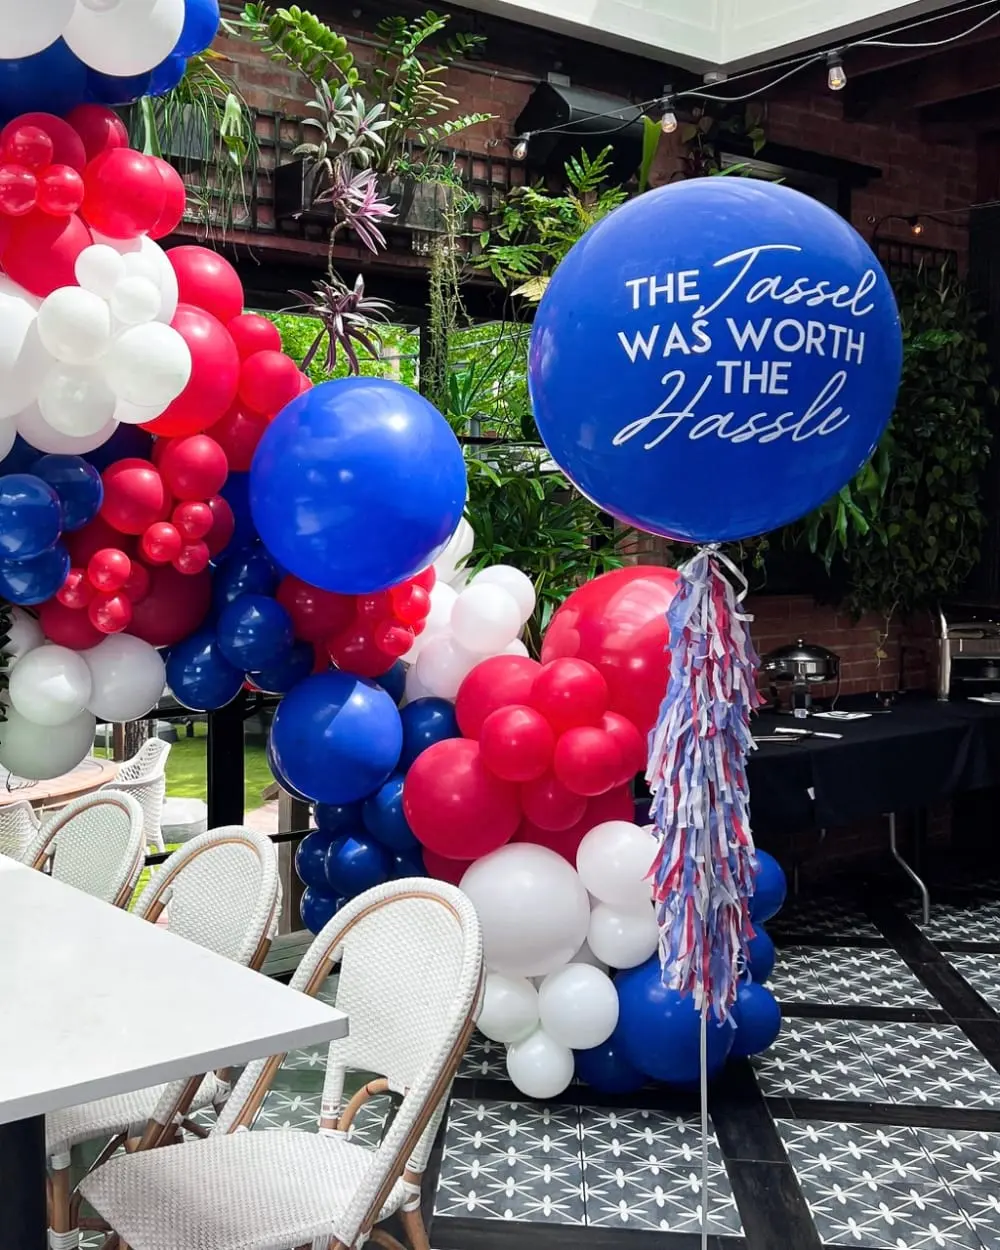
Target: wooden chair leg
[[413, 1226], [382, 1238], [60, 1215]]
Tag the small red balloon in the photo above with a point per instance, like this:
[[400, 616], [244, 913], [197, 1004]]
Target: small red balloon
[[67, 146], [569, 693], [392, 639], [410, 603], [629, 742], [238, 433], [223, 525], [548, 804], [174, 201], [194, 467], [193, 558], [161, 543], [215, 373], [174, 607], [316, 614], [426, 578], [40, 252], [454, 804], [67, 627], [587, 760], [496, 682], [123, 193], [268, 381], [134, 496], [207, 281], [18, 190], [60, 190], [305, 383], [137, 586], [253, 333], [27, 146], [353, 650], [99, 128], [516, 743], [109, 569], [76, 591], [193, 520], [110, 613]]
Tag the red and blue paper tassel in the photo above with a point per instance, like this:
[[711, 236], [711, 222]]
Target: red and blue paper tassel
[[704, 870]]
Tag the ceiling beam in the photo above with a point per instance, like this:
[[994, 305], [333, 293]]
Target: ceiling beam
[[918, 85]]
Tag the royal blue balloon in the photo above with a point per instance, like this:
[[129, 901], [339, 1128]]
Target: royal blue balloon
[[78, 485], [167, 75], [660, 1029], [310, 858], [318, 907], [291, 668], [128, 442], [280, 777], [201, 24], [108, 89], [757, 1017], [761, 955], [198, 674], [769, 888], [407, 866], [30, 516], [394, 682], [247, 572], [354, 863], [51, 81], [606, 1068], [715, 359], [384, 819], [426, 721], [254, 631], [338, 817], [36, 579], [236, 492], [22, 456], [357, 484], [337, 737]]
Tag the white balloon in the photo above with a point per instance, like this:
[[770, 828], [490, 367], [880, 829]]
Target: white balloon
[[414, 688], [485, 619], [40, 752], [460, 545], [614, 860], [100, 6], [437, 621], [8, 432], [622, 939], [516, 647], [510, 1008], [23, 360], [150, 261], [24, 635], [74, 325], [532, 907], [50, 685], [517, 584], [29, 28], [443, 665], [126, 40], [135, 301], [586, 956], [578, 1006], [539, 1066], [136, 414], [127, 678], [75, 400], [148, 365], [9, 287], [34, 429], [99, 268]]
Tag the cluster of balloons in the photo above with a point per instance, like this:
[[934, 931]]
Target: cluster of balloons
[[60, 53]]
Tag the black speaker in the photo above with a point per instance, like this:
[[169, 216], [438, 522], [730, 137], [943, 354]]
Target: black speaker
[[590, 121]]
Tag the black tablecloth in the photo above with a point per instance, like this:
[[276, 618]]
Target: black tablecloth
[[907, 758]]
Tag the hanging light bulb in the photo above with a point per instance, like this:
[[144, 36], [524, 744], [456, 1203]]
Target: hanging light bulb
[[521, 148], [836, 77], [668, 121], [916, 225]]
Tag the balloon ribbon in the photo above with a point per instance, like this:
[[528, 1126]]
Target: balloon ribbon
[[704, 869]]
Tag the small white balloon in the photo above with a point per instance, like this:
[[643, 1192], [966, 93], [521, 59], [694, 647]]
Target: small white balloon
[[99, 268], [539, 1066], [516, 647], [517, 585], [614, 860], [578, 1006], [437, 621], [135, 301], [622, 939], [24, 635], [74, 325], [50, 685], [510, 1008], [75, 400], [126, 40], [23, 359], [36, 431], [485, 619], [29, 28], [148, 365], [40, 752], [127, 678], [443, 665], [150, 261]]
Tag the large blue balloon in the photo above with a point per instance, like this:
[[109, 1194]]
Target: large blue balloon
[[336, 818], [336, 737], [280, 777], [30, 516], [769, 888], [384, 818], [607, 1069], [354, 863], [760, 955], [287, 671], [660, 1029], [247, 572], [201, 23], [198, 674], [236, 492], [31, 581], [51, 81], [78, 485], [757, 1017], [715, 358], [357, 484], [407, 866], [167, 75], [426, 721], [253, 632], [318, 907], [107, 89]]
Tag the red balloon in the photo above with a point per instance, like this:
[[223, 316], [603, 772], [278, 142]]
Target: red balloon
[[109, 569], [60, 190], [67, 146], [67, 627], [374, 607], [454, 804], [134, 496], [223, 525], [194, 467], [40, 252], [207, 281], [630, 743], [99, 128], [174, 607], [410, 602], [192, 559], [123, 193], [618, 623], [426, 578], [452, 870], [617, 804], [569, 693], [27, 146], [587, 760], [305, 383], [76, 591], [565, 842], [215, 373], [193, 520], [548, 804], [137, 586], [392, 639], [268, 381], [96, 534], [253, 333], [174, 199], [496, 682], [516, 743], [316, 614], [161, 542], [238, 434], [354, 651], [110, 614], [18, 190]]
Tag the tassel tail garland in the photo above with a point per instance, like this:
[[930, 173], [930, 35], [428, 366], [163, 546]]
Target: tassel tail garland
[[704, 870]]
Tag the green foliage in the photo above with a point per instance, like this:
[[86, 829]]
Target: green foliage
[[396, 360], [6, 620], [301, 40], [712, 122]]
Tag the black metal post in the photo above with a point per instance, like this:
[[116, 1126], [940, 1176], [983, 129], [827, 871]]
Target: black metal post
[[22, 1191], [225, 763]]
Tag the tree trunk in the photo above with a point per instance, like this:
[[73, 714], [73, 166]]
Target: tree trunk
[[127, 738]]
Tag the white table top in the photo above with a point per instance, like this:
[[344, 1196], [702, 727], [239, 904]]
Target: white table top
[[95, 1002]]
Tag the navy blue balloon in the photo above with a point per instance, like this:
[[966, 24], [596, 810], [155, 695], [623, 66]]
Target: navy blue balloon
[[247, 572], [198, 674], [426, 721], [660, 1029], [407, 866], [166, 76], [384, 819], [336, 737], [280, 777], [310, 858], [318, 907], [715, 359], [394, 682], [606, 1068], [128, 442], [757, 1017], [291, 668], [236, 492], [22, 456], [51, 81], [770, 888], [36, 579], [30, 516], [254, 631], [354, 863], [357, 484], [338, 817], [761, 955], [78, 485], [201, 24], [109, 89]]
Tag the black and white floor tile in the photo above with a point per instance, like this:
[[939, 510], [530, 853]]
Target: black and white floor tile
[[841, 975], [982, 971]]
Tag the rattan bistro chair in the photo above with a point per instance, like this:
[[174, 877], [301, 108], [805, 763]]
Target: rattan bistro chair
[[144, 776], [222, 891], [18, 828], [411, 971]]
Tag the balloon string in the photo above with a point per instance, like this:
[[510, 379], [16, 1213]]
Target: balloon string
[[704, 1125]]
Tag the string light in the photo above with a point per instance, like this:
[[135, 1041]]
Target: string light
[[668, 121], [836, 78], [916, 226], [521, 148]]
